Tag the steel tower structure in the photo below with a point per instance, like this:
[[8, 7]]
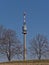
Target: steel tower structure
[[24, 29]]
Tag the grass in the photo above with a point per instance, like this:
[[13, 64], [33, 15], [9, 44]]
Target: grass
[[28, 61]]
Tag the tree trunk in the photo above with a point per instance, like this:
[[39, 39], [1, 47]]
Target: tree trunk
[[9, 59]]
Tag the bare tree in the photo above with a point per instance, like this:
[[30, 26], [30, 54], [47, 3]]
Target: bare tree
[[10, 44], [39, 47]]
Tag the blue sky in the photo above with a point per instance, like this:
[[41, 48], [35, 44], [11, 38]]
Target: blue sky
[[37, 16]]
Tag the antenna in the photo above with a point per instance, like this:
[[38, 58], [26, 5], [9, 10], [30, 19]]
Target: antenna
[[24, 29]]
